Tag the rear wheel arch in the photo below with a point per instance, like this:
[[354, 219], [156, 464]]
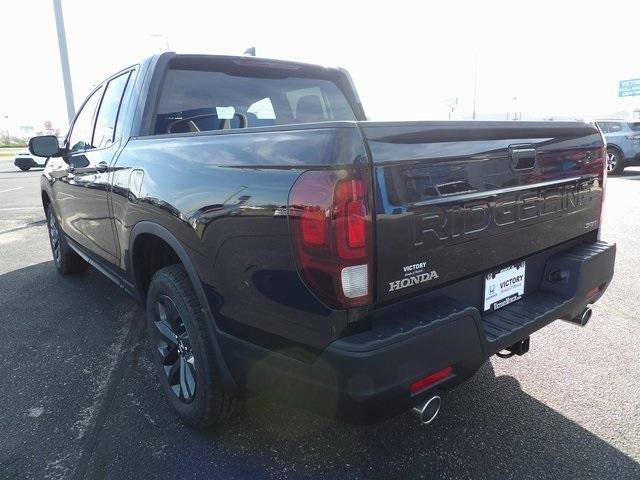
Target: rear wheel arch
[[147, 229], [149, 253]]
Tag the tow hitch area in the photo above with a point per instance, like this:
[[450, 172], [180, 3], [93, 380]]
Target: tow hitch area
[[518, 348]]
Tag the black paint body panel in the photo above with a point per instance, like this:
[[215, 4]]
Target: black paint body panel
[[224, 197]]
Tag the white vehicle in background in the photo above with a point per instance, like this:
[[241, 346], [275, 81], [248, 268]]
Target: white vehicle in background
[[24, 161]]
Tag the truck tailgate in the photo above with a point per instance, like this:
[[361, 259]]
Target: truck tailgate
[[457, 198]]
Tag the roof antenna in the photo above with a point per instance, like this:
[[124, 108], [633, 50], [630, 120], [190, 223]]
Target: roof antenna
[[251, 51]]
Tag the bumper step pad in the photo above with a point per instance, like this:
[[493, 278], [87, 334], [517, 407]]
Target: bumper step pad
[[584, 267]]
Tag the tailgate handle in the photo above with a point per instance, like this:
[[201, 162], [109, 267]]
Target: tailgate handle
[[523, 157]]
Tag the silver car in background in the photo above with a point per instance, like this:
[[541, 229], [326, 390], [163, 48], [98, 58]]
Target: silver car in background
[[623, 143]]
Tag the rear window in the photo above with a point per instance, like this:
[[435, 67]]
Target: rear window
[[635, 126], [199, 100]]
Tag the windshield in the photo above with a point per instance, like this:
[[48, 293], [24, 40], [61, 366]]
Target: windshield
[[197, 100]]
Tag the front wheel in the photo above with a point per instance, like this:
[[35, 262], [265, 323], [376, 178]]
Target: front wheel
[[66, 260], [183, 351], [615, 161]]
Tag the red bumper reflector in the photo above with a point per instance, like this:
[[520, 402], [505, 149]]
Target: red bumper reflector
[[430, 379], [592, 292]]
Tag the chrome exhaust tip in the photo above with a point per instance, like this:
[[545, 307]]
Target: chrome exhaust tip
[[428, 411], [583, 318]]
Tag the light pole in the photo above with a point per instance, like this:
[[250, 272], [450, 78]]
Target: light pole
[[475, 83], [64, 60], [451, 104], [515, 108], [6, 118]]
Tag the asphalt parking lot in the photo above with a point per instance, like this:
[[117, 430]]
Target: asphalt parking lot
[[79, 398]]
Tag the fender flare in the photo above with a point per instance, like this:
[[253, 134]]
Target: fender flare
[[161, 232]]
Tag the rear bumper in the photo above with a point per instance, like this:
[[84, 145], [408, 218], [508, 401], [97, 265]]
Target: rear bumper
[[368, 375]]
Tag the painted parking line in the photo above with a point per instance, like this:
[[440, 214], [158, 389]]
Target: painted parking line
[[11, 189], [34, 207]]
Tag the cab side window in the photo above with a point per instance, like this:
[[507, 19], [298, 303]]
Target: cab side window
[[105, 131], [82, 133]]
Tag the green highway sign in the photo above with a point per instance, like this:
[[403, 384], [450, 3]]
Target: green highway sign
[[629, 88]]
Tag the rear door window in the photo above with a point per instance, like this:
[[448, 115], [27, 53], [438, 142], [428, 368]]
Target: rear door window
[[107, 118], [610, 127], [635, 126], [615, 127]]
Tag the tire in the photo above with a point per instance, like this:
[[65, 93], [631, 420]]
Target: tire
[[615, 161], [183, 351], [66, 260], [24, 169]]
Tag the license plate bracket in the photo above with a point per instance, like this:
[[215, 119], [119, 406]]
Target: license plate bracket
[[503, 287]]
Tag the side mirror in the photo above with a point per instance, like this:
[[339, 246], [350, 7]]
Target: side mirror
[[45, 146]]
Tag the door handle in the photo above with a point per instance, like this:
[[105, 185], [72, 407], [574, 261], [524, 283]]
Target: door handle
[[102, 167]]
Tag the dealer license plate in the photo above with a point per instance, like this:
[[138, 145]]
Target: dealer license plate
[[503, 287]]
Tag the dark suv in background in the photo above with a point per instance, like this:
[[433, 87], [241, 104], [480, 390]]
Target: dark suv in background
[[623, 143]]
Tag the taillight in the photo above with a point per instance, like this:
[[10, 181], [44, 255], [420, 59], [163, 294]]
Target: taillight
[[314, 226], [330, 219]]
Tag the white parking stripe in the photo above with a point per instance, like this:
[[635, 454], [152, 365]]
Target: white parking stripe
[[10, 189], [34, 207]]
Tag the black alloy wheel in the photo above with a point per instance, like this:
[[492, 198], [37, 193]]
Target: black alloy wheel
[[173, 346], [66, 260], [183, 349], [54, 238]]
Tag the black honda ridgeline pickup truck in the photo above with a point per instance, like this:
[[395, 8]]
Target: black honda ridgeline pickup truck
[[283, 244]]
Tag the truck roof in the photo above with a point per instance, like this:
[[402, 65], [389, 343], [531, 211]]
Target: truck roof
[[247, 60]]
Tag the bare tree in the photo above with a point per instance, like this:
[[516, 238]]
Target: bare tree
[[48, 127]]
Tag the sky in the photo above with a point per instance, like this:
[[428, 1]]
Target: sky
[[409, 60]]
